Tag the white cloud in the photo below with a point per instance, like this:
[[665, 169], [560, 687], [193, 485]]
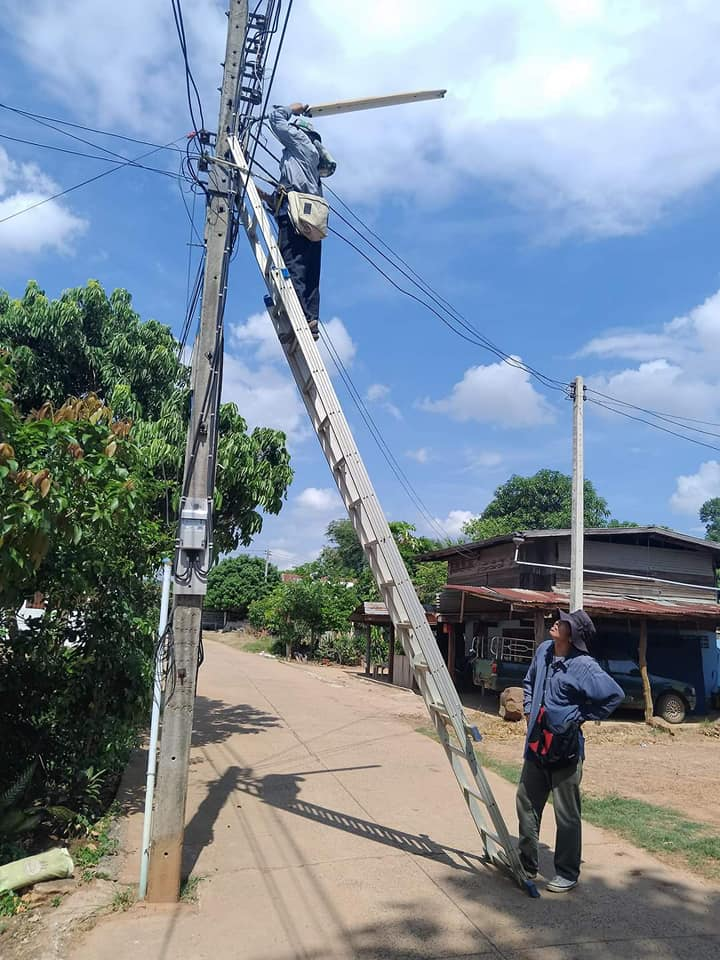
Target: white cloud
[[380, 393], [596, 112], [258, 334], [338, 334], [51, 225], [677, 370], [693, 490], [265, 397], [454, 522], [421, 455], [319, 500], [377, 391], [483, 459], [497, 393]]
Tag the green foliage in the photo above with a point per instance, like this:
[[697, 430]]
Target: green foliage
[[345, 647], [298, 613], [540, 502], [123, 899], [98, 844], [86, 342], [234, 583], [343, 558], [189, 888], [78, 526], [710, 517], [9, 903], [429, 579]]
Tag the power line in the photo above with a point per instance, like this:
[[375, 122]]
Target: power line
[[80, 126], [83, 183], [379, 439], [189, 79], [674, 433], [91, 156]]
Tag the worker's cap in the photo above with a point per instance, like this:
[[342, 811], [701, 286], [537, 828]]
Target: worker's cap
[[582, 629], [304, 124]]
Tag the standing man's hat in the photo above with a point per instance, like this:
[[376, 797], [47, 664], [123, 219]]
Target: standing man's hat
[[582, 629]]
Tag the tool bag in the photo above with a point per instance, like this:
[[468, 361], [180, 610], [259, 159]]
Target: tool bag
[[553, 747], [308, 214]]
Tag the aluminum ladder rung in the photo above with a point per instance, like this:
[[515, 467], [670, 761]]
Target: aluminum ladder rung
[[381, 551]]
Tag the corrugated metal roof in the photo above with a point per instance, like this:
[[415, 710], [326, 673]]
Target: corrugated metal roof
[[372, 612], [599, 532], [656, 609]]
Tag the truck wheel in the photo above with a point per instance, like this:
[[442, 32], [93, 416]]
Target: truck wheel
[[671, 707]]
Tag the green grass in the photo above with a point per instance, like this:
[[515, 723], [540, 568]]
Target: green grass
[[659, 830], [260, 645], [188, 888], [98, 844], [123, 900], [9, 903]]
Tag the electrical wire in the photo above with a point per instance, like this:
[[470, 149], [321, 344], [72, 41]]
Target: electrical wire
[[379, 439], [83, 183], [91, 156], [189, 79], [674, 433], [80, 126]]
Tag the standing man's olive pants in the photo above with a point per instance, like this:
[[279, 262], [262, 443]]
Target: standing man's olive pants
[[534, 788]]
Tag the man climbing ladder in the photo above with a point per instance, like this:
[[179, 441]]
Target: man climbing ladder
[[304, 161]]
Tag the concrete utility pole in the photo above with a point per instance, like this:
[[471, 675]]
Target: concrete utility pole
[[577, 532], [267, 562], [194, 553]]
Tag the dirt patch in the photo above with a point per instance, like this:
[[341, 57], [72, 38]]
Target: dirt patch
[[633, 760], [624, 757]]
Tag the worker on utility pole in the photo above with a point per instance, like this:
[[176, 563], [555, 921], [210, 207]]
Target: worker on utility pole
[[301, 222]]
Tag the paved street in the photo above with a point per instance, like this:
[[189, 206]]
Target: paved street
[[326, 827]]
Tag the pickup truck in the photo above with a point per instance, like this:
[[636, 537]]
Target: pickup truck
[[507, 659]]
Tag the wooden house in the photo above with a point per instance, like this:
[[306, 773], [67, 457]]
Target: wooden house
[[636, 578]]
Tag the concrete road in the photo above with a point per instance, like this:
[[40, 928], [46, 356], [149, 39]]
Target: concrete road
[[326, 828]]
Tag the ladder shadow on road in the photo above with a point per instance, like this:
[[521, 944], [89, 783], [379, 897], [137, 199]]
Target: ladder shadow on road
[[282, 792]]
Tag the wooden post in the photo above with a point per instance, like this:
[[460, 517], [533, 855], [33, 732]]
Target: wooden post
[[642, 660], [391, 652], [195, 547], [451, 651], [539, 627], [577, 532], [368, 648]]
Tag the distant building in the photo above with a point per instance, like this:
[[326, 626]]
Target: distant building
[[508, 586]]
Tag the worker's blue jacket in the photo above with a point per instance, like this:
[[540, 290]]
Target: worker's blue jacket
[[577, 689], [300, 160]]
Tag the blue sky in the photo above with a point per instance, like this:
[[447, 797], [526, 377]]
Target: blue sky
[[564, 197]]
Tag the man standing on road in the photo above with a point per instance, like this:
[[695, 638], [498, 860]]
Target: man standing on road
[[303, 162], [563, 688]]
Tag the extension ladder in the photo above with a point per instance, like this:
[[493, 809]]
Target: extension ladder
[[366, 515]]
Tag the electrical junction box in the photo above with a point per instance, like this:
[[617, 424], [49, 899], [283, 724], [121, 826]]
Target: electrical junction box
[[193, 527]]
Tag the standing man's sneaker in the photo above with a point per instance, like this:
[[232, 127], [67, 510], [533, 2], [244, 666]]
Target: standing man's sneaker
[[314, 329], [560, 885]]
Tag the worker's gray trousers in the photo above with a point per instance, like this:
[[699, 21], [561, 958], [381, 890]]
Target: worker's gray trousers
[[534, 788]]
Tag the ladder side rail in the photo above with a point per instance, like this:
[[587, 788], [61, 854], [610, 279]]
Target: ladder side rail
[[368, 520]]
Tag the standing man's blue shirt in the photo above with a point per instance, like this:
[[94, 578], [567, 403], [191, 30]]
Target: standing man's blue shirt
[[577, 689]]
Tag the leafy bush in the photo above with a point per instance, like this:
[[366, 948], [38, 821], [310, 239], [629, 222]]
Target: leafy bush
[[343, 647]]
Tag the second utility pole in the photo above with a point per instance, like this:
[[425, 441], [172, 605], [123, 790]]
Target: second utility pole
[[577, 530], [194, 549]]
